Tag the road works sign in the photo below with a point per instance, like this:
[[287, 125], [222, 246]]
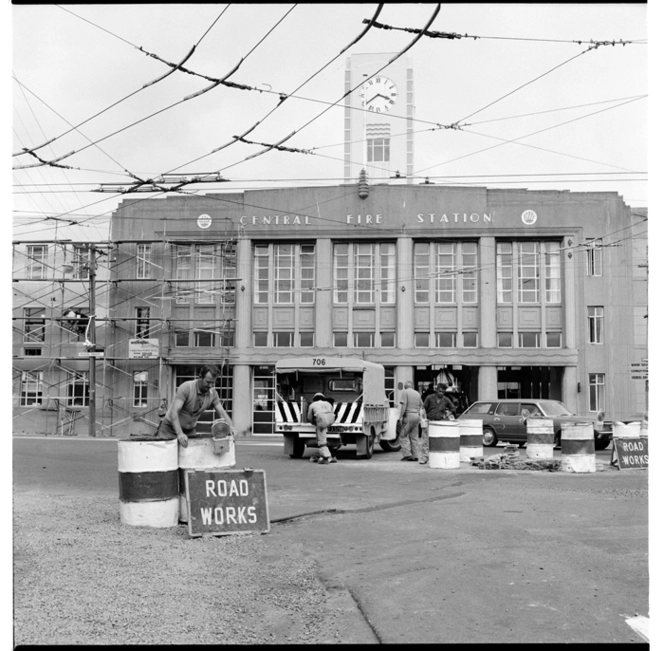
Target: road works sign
[[631, 452], [222, 502]]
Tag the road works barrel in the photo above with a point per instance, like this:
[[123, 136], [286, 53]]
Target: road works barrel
[[205, 452], [577, 443], [540, 439], [470, 439], [148, 476], [444, 444]]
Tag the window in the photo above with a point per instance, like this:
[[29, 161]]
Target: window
[[181, 337], [504, 340], [378, 150], [37, 261], [340, 339], [142, 322], [144, 261], [421, 340], [359, 266], [594, 256], [529, 340], [204, 338], [31, 388], [387, 339], [81, 262], [205, 270], [552, 272], [306, 339], [283, 339], [504, 275], [449, 269], [34, 325], [78, 389], [554, 339], [260, 339], [445, 339], [596, 324], [182, 255], [596, 393], [470, 340], [529, 272], [141, 389], [227, 335], [363, 339], [289, 270]]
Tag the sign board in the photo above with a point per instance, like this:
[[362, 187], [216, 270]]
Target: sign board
[[631, 452], [222, 502], [144, 349], [92, 353]]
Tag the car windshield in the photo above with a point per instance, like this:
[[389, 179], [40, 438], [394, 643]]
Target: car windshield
[[554, 408]]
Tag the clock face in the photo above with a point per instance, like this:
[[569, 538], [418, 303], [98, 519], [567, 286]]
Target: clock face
[[378, 94]]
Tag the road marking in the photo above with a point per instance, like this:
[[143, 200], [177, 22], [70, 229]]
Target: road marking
[[641, 625]]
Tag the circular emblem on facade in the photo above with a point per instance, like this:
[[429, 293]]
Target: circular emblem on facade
[[529, 217], [204, 221]]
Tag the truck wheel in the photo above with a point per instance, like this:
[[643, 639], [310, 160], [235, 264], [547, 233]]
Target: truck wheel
[[365, 445], [393, 445], [298, 448], [602, 444]]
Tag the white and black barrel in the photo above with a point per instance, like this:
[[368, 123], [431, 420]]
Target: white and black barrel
[[148, 476], [444, 444], [470, 439], [540, 438], [577, 447], [206, 452]]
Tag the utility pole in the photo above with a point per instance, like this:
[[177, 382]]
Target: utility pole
[[92, 341]]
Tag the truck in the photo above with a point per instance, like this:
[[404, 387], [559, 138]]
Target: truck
[[355, 387]]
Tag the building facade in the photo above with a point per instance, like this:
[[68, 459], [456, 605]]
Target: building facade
[[501, 293]]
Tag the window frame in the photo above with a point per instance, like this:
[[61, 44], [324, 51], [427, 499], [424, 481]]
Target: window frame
[[596, 325], [34, 380], [36, 268], [140, 392], [596, 392]]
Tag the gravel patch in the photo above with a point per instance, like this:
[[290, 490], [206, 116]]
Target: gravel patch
[[82, 577]]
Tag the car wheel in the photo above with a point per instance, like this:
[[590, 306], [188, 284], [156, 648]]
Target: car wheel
[[489, 438], [602, 443], [556, 440]]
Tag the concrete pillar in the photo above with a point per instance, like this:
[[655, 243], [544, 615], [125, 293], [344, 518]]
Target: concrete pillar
[[324, 272], [569, 297], [487, 383], [243, 329], [487, 295], [406, 298], [570, 390], [402, 374], [242, 402]]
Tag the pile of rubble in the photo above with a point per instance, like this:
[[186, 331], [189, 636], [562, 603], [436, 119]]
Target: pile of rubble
[[511, 460]]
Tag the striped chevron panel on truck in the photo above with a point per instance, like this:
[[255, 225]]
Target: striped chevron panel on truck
[[347, 413], [288, 412]]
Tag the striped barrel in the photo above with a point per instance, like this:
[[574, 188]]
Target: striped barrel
[[470, 439], [577, 442], [444, 444], [540, 438], [200, 455], [626, 430], [148, 476]]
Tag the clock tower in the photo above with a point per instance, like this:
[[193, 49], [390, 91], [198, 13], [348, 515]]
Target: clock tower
[[378, 124]]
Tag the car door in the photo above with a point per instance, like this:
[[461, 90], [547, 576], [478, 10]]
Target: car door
[[506, 421]]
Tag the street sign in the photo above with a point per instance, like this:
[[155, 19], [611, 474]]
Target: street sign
[[222, 502], [631, 452], [92, 353]]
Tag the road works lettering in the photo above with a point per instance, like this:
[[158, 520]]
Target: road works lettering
[[229, 515]]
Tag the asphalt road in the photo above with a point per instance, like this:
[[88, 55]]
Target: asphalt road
[[455, 556]]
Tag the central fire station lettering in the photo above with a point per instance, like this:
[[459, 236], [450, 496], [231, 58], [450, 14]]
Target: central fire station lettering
[[276, 220], [455, 218], [364, 219], [223, 489]]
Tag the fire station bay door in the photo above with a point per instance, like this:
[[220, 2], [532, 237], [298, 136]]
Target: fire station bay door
[[263, 400]]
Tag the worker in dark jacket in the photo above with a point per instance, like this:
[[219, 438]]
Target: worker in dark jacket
[[438, 407]]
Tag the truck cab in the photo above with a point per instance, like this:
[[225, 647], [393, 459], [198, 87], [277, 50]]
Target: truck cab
[[356, 390]]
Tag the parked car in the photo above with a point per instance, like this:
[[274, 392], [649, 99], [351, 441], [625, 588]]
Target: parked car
[[505, 420]]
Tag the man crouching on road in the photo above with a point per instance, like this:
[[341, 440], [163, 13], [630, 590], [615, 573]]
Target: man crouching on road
[[192, 398], [321, 414]]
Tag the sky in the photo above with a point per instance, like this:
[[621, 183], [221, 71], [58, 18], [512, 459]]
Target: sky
[[539, 104]]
